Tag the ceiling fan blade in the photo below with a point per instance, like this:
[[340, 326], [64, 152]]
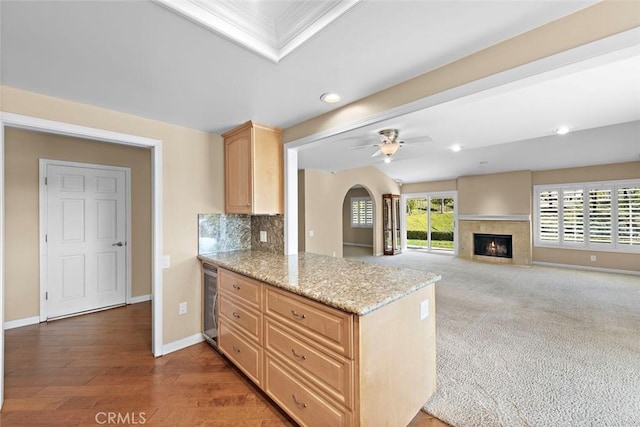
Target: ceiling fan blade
[[419, 140], [363, 146], [377, 153]]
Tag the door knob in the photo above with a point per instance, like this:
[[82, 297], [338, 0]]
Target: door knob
[[117, 244]]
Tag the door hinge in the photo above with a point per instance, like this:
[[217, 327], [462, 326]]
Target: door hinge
[[46, 296], [46, 238], [45, 180]]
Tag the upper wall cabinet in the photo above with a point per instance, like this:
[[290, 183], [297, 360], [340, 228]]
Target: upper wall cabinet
[[253, 162]]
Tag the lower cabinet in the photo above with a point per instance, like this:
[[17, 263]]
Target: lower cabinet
[[247, 356], [326, 367], [299, 399]]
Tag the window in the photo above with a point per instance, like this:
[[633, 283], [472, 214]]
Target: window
[[598, 216], [361, 212]]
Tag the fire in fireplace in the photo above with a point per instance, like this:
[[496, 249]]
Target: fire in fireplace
[[496, 245]]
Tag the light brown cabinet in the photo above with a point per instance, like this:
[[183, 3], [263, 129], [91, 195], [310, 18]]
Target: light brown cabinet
[[254, 171], [324, 366], [240, 324]]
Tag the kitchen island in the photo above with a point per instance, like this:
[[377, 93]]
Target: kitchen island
[[332, 341]]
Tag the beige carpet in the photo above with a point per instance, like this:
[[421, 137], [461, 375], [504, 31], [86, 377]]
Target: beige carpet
[[533, 346]]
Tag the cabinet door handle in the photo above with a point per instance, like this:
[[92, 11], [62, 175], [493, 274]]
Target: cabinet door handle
[[299, 356], [236, 314], [298, 403], [298, 315], [236, 287], [236, 349]]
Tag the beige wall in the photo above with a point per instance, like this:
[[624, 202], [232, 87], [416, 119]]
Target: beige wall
[[495, 194], [430, 187], [193, 182], [603, 19], [324, 199], [611, 172], [23, 149], [355, 235]]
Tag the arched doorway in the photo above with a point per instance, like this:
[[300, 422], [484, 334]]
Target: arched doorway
[[357, 222]]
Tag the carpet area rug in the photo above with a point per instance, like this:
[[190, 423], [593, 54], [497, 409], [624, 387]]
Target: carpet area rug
[[534, 346]]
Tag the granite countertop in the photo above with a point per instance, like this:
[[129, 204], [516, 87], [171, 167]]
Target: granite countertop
[[346, 284]]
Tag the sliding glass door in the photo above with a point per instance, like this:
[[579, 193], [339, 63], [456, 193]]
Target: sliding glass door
[[430, 222]]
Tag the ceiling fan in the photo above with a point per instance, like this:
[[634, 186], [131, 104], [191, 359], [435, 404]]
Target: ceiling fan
[[389, 144]]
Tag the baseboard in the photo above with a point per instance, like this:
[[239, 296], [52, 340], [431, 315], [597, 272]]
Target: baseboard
[[584, 267], [11, 324], [361, 245], [139, 299], [183, 343]]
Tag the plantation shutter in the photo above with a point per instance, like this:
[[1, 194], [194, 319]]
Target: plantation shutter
[[361, 212], [573, 215], [600, 215], [629, 215], [548, 217]]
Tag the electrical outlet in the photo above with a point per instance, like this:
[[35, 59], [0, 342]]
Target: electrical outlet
[[182, 308], [311, 233], [594, 258], [166, 261], [263, 236], [424, 309]]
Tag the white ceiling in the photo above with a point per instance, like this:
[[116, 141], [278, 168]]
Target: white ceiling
[[507, 128], [143, 58]]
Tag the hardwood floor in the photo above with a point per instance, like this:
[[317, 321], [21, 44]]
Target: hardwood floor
[[98, 369]]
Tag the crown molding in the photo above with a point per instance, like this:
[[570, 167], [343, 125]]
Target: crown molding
[[272, 38]]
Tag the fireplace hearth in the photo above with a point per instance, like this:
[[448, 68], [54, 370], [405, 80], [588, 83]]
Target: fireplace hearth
[[493, 245]]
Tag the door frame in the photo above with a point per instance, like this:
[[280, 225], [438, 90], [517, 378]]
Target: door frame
[[427, 195], [60, 128], [43, 217]]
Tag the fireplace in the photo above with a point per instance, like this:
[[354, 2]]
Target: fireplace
[[495, 245]]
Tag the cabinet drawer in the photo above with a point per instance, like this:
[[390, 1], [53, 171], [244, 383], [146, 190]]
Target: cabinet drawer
[[331, 373], [241, 317], [305, 405], [245, 355], [241, 287], [330, 327]]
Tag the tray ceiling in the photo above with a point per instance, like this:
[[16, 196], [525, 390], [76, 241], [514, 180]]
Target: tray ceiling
[[272, 29]]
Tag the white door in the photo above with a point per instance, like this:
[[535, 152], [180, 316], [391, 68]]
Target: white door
[[85, 239]]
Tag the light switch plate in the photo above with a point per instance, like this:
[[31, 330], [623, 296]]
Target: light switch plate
[[263, 236], [424, 309]]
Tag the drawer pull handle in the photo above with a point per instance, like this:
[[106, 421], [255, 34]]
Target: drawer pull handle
[[236, 349], [236, 314], [236, 287], [300, 404], [299, 356], [299, 316]]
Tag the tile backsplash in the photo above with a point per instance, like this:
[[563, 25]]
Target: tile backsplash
[[273, 225], [224, 233]]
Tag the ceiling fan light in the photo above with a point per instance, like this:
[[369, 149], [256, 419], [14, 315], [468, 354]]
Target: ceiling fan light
[[387, 159], [389, 149]]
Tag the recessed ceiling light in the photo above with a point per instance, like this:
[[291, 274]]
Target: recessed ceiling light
[[330, 98], [456, 148], [484, 163], [562, 130]]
